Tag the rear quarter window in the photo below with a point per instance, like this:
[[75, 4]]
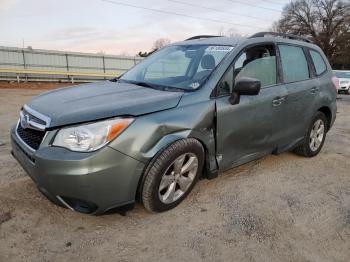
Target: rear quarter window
[[294, 63], [320, 65]]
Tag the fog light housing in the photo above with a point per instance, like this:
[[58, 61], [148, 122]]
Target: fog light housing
[[78, 205]]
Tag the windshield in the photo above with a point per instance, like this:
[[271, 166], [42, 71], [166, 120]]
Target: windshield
[[178, 67], [342, 74]]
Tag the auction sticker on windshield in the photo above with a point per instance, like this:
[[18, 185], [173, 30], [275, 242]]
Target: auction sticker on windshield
[[219, 48]]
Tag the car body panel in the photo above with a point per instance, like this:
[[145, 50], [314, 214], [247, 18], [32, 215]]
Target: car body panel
[[89, 102], [250, 129], [107, 178], [300, 102], [159, 130]]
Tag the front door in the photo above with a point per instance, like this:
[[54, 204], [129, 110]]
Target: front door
[[255, 126]]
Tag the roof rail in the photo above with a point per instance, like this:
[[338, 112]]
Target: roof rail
[[202, 36], [289, 36]]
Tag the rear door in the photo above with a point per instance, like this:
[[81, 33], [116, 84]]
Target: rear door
[[253, 127], [302, 90]]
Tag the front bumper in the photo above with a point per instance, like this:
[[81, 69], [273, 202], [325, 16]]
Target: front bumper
[[85, 182]]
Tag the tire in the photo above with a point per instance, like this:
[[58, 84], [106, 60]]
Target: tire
[[165, 168], [308, 148]]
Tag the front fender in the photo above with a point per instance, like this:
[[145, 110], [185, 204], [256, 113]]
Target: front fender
[[164, 142], [151, 133], [206, 137]]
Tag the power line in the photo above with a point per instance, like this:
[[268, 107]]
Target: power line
[[273, 2], [256, 6], [178, 14], [218, 10]]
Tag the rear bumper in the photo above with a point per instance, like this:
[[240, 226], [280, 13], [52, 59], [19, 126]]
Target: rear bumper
[[85, 182]]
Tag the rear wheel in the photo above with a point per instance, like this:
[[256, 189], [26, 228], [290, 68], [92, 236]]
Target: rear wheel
[[315, 137], [172, 174]]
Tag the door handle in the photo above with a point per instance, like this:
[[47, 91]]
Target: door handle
[[278, 101], [314, 90]]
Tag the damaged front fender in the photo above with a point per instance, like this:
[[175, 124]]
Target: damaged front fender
[[151, 133]]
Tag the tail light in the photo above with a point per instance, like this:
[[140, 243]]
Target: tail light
[[336, 83]]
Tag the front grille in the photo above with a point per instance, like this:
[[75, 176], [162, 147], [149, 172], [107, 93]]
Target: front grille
[[31, 137]]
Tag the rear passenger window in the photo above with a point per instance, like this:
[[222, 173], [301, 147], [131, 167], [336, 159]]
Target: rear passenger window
[[294, 63], [320, 65]]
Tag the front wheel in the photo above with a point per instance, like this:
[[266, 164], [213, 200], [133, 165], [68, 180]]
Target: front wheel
[[315, 137], [172, 174]]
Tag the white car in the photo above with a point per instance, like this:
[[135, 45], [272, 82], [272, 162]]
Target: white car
[[344, 81]]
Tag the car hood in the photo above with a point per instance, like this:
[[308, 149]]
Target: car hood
[[88, 102]]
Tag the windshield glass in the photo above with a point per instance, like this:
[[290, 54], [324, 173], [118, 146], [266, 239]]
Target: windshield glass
[[343, 74], [185, 67]]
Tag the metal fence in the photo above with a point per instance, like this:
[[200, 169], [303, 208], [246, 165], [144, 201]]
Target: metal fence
[[26, 64]]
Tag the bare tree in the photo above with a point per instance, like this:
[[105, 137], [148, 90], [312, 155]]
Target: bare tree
[[161, 42], [231, 32], [325, 22], [158, 44], [221, 32]]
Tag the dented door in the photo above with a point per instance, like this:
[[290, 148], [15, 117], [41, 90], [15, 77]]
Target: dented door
[[250, 129]]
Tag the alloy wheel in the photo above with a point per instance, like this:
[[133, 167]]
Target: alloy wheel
[[316, 135], [178, 178]]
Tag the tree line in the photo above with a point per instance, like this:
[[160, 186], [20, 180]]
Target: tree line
[[325, 22]]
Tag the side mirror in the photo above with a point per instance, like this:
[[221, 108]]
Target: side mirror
[[245, 86]]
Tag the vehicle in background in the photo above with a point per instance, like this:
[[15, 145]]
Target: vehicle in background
[[344, 81]]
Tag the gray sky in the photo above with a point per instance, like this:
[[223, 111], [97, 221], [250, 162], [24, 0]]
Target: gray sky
[[98, 25]]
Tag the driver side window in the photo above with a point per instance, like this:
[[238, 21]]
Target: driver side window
[[258, 62]]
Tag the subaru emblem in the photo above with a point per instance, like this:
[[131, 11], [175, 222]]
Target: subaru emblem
[[25, 121]]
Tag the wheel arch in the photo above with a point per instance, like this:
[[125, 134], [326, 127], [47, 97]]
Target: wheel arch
[[169, 139], [328, 113]]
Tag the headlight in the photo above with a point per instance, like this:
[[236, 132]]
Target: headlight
[[90, 137]]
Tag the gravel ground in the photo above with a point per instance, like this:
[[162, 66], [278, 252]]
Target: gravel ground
[[279, 208]]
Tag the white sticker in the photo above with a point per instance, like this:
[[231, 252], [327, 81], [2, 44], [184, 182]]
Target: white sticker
[[219, 48]]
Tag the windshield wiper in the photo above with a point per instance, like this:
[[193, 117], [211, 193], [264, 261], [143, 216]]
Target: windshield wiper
[[160, 87], [153, 86], [138, 83], [144, 84]]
